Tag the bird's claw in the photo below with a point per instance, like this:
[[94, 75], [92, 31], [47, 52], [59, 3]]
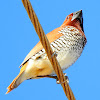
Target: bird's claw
[[54, 54], [67, 80]]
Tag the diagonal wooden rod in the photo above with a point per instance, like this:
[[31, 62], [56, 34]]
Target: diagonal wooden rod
[[48, 49]]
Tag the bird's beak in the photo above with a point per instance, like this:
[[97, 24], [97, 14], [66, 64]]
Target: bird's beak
[[77, 15]]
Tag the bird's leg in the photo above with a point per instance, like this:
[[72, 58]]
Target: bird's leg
[[48, 76], [54, 77]]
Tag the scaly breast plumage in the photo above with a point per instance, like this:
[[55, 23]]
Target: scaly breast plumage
[[68, 47]]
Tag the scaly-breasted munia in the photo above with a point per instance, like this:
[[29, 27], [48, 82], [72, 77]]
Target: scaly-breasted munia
[[67, 41]]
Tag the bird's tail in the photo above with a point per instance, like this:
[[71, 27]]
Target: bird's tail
[[16, 82]]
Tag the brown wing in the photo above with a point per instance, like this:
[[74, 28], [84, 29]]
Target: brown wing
[[53, 35]]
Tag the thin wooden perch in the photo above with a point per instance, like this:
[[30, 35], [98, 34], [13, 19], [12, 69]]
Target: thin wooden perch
[[48, 49]]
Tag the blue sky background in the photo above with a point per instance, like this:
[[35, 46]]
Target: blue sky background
[[18, 37]]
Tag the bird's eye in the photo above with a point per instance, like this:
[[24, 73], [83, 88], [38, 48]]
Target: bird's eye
[[67, 17]]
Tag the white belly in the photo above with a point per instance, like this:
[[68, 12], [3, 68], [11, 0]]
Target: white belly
[[67, 58]]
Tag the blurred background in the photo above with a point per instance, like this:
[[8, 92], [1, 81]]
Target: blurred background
[[18, 37]]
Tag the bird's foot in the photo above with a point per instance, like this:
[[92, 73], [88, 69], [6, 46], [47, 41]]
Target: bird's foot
[[54, 54], [67, 80]]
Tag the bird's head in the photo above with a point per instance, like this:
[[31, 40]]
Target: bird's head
[[74, 19]]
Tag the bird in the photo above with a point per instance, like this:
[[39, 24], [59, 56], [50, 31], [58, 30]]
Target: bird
[[67, 41]]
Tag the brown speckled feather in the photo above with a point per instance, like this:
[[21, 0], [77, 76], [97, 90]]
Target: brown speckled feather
[[52, 36]]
